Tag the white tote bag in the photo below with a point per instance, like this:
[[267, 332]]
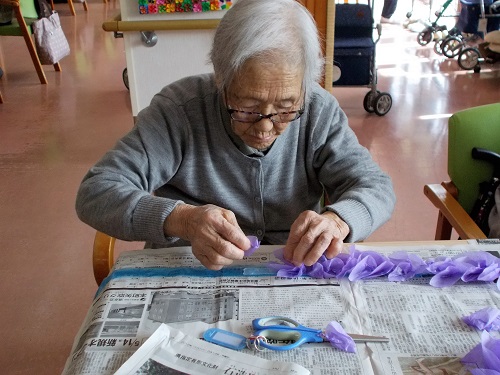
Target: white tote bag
[[50, 41]]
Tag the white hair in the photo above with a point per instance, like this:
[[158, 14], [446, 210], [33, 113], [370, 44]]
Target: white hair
[[269, 31]]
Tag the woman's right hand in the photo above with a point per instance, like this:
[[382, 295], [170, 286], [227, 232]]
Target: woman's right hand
[[216, 238]]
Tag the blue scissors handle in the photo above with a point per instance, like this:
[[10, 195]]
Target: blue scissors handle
[[283, 333], [282, 339], [280, 323]]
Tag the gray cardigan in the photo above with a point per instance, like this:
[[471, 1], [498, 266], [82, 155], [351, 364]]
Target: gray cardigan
[[180, 150]]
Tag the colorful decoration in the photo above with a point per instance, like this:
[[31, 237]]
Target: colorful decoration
[[180, 6]]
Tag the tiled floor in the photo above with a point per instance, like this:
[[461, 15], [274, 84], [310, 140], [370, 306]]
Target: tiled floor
[[50, 135]]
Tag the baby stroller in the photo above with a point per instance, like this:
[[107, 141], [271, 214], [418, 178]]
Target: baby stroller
[[489, 51], [354, 54], [467, 29]]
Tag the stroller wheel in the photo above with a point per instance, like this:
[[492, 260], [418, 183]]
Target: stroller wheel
[[425, 36], [383, 103], [452, 46], [437, 47], [469, 58], [369, 101]]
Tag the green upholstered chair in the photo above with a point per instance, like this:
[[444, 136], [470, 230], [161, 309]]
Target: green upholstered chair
[[24, 16], [474, 127]]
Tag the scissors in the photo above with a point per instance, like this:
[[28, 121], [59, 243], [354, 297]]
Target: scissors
[[280, 333]]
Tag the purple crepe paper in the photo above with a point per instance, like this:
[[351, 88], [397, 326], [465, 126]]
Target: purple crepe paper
[[339, 338], [331, 267], [316, 270], [484, 358], [446, 272], [406, 266], [370, 264], [480, 266], [254, 245], [400, 266], [485, 319], [286, 269]]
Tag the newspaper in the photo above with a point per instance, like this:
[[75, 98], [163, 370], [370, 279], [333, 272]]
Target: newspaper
[[423, 323], [169, 349]]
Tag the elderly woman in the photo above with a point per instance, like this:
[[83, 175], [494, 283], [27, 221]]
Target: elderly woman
[[248, 150]]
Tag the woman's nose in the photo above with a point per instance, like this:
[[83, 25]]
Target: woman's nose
[[264, 125]]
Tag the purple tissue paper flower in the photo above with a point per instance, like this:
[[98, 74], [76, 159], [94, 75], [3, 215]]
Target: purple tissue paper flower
[[317, 270], [480, 266], [446, 271], [286, 269], [254, 245], [484, 358], [370, 264], [485, 319], [339, 338], [399, 266], [333, 267], [406, 266], [350, 260], [324, 268]]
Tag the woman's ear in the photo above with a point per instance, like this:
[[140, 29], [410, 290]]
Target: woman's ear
[[219, 82]]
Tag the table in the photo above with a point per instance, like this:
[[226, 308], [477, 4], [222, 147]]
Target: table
[[150, 287]]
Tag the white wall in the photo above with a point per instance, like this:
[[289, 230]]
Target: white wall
[[178, 53]]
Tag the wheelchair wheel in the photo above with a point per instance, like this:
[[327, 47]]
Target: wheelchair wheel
[[452, 46], [468, 59], [425, 36], [369, 101], [383, 103], [437, 47], [125, 78]]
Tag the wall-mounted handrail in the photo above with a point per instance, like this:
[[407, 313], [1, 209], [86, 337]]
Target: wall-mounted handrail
[[117, 25]]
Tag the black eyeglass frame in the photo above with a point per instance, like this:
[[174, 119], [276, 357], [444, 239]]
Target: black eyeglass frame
[[270, 116]]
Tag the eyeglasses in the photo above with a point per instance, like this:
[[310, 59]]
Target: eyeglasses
[[254, 117]]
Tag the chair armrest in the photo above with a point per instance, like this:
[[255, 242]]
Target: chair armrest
[[12, 3], [103, 256], [449, 207]]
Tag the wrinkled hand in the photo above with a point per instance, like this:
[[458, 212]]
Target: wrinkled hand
[[313, 235], [215, 236]]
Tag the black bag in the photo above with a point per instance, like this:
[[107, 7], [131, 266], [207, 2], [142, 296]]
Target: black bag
[[486, 200], [43, 8]]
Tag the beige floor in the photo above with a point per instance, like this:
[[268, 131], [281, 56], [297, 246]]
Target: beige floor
[[50, 135]]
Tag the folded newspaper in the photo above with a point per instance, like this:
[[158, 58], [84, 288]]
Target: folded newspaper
[[171, 351]]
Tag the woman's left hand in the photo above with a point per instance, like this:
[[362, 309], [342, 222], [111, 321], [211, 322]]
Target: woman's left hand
[[313, 235]]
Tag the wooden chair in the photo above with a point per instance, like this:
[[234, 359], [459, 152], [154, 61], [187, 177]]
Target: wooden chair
[[72, 7], [103, 256], [26, 14], [474, 127]]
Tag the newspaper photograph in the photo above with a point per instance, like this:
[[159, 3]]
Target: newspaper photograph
[[422, 322]]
